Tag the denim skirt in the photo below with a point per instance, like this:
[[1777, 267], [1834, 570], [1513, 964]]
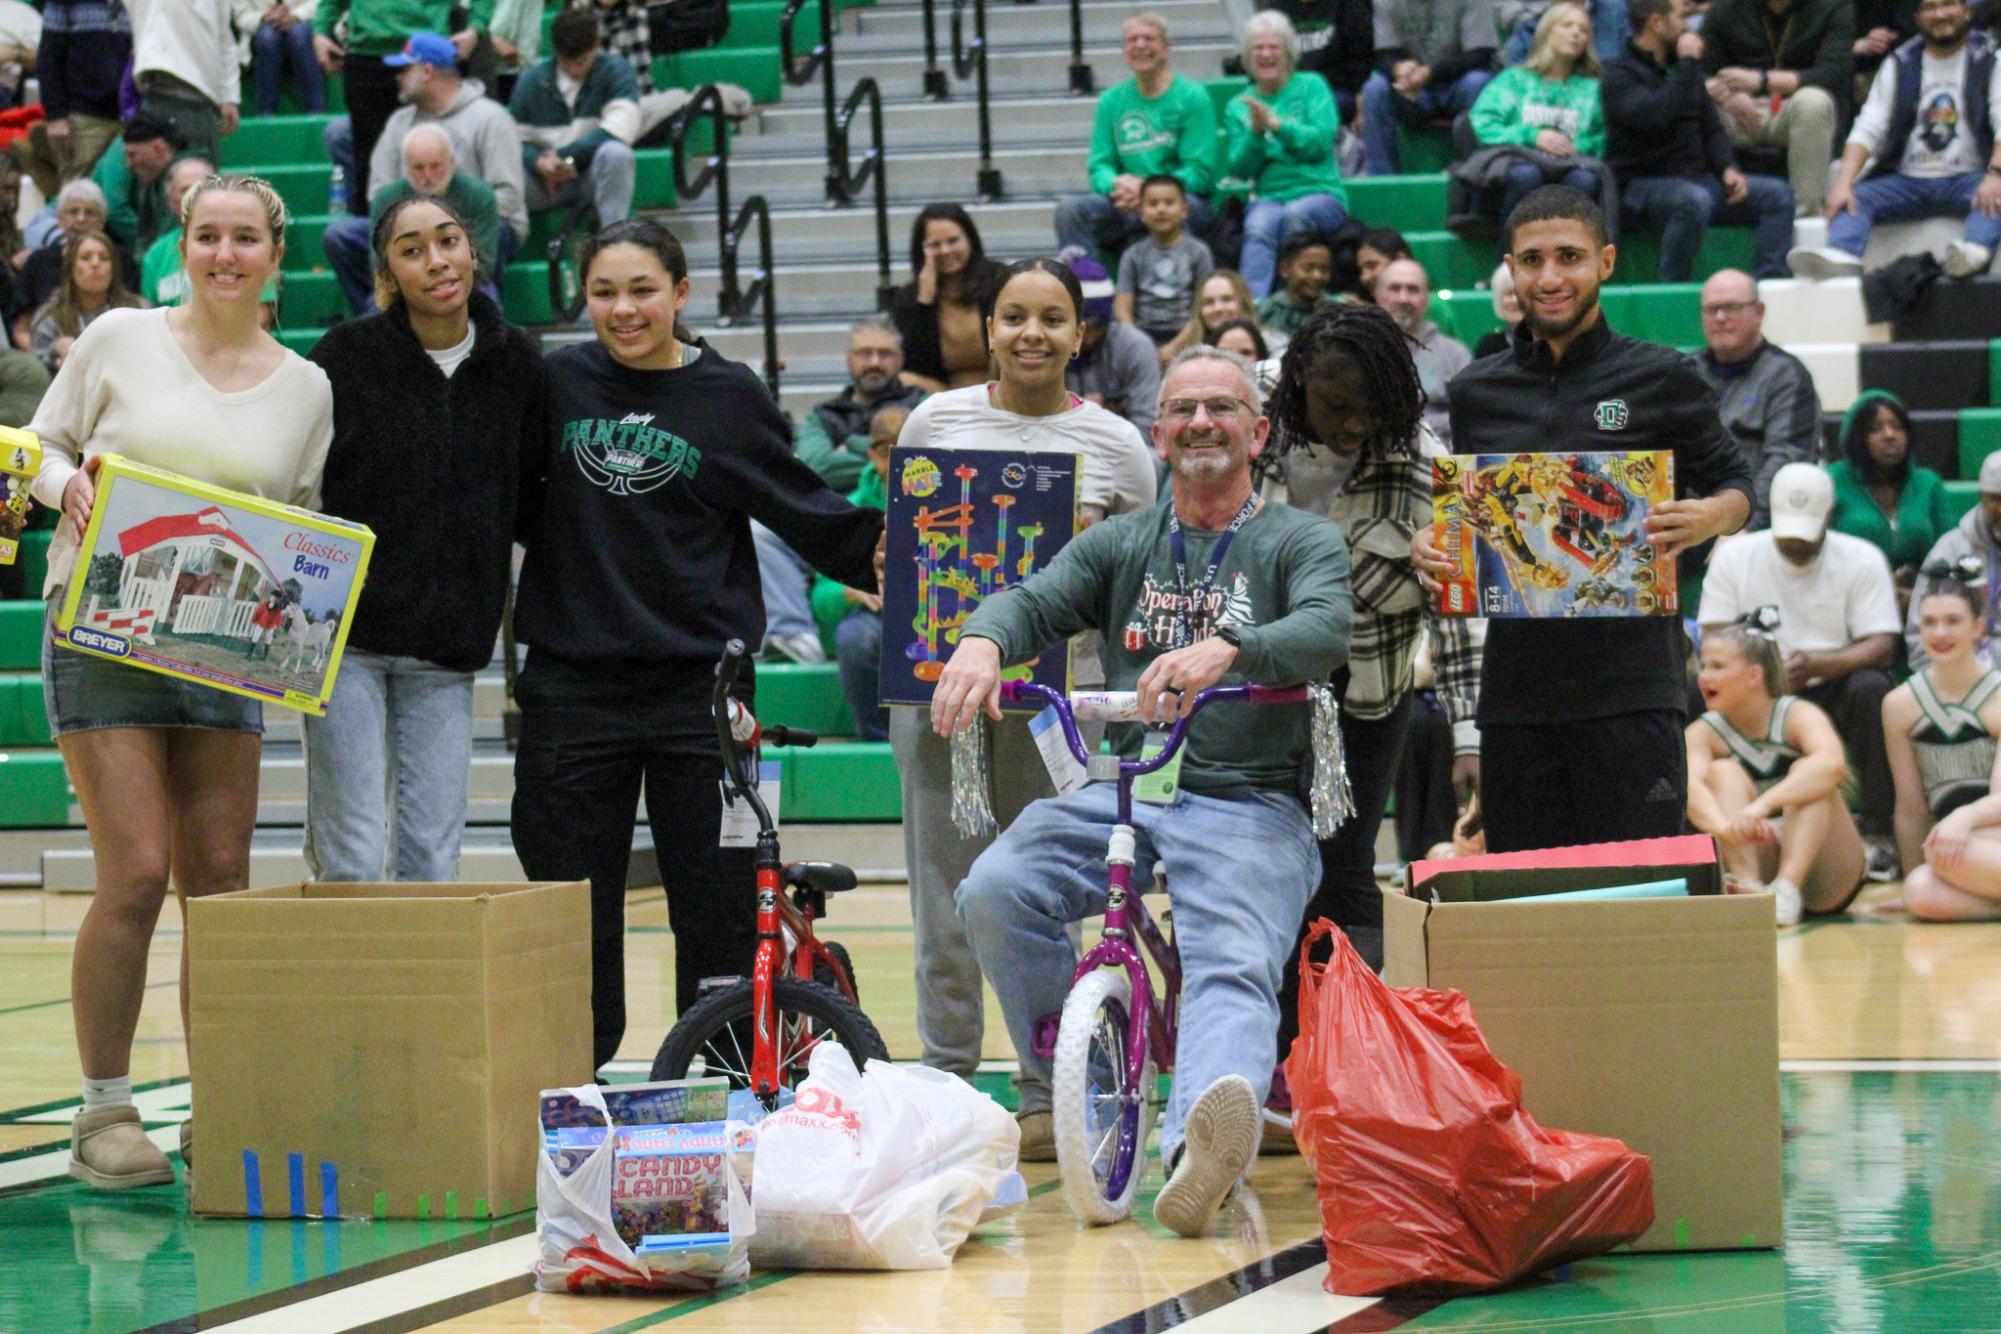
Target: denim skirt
[[83, 693]]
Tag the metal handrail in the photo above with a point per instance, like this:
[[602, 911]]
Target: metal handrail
[[821, 62], [843, 183], [758, 298], [1082, 83], [972, 62], [566, 298]]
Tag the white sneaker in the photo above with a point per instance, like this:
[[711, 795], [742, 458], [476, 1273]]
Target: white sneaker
[[1818, 262], [1966, 259], [800, 647], [1221, 1140], [1786, 902]]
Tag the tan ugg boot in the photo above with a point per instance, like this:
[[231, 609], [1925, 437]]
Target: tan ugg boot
[[109, 1150]]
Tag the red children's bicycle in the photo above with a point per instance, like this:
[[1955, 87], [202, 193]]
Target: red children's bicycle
[[759, 1030]]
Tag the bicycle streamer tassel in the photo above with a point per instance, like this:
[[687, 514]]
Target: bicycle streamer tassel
[[1333, 802], [972, 803]]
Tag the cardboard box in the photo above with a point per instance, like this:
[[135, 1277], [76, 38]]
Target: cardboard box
[[214, 586], [380, 1050], [20, 460], [1651, 1020]]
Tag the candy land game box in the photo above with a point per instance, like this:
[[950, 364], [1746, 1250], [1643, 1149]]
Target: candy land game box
[[965, 525], [214, 586], [1552, 535]]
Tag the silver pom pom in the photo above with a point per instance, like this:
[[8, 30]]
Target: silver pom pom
[[972, 806], [1333, 801]]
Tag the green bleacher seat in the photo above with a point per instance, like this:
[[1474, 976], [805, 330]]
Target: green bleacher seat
[[24, 721], [844, 781], [653, 186], [1979, 436], [311, 301], [524, 293], [803, 695], [1409, 203], [262, 141], [1667, 313], [300, 341], [34, 792], [752, 68], [1722, 248], [288, 98], [21, 633], [1424, 150], [302, 185], [1454, 261], [1465, 313], [757, 23], [1994, 370], [303, 252], [1223, 91], [1961, 497]]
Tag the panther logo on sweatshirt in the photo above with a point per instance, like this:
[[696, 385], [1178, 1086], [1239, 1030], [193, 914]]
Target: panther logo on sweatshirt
[[631, 456]]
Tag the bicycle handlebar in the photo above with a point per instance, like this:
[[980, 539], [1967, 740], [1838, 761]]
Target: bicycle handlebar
[[1123, 706], [738, 733]]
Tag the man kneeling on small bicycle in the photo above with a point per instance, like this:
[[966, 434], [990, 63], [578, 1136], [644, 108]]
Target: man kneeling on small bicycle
[[1210, 587]]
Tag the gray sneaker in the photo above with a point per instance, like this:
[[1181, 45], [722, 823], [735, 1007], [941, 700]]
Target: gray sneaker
[[1816, 263], [1222, 1138], [801, 647]]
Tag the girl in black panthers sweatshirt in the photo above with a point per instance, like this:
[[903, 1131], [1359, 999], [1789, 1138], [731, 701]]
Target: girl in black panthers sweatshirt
[[640, 567]]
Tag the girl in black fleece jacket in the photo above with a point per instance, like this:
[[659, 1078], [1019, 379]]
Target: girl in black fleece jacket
[[640, 568], [437, 404]]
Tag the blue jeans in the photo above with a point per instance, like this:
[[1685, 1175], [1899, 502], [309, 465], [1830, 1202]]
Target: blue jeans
[[1268, 225], [345, 241], [1094, 222], [858, 650], [271, 51], [1526, 176], [788, 584], [1383, 110], [610, 178], [1681, 209], [1894, 198], [1233, 929], [386, 771]]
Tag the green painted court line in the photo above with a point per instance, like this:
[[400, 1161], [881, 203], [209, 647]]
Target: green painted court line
[[65, 1000]]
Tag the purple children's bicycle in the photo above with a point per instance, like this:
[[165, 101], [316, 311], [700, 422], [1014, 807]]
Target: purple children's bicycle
[[1115, 1036]]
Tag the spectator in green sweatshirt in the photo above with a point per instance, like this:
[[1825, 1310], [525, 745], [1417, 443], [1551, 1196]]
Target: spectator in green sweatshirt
[[1279, 135], [1155, 123], [1548, 107]]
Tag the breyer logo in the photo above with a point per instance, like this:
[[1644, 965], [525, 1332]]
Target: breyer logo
[[98, 642]]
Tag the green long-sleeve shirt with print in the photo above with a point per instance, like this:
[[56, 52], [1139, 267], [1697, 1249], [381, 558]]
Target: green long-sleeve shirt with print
[[1283, 585], [1173, 134]]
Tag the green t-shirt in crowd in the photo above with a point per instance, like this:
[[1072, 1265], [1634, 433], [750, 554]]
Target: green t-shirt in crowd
[[1283, 585], [1279, 313], [1173, 134]]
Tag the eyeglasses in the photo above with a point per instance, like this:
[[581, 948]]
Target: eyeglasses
[[1217, 408], [1727, 310]]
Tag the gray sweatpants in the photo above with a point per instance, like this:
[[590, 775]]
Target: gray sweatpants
[[951, 1019]]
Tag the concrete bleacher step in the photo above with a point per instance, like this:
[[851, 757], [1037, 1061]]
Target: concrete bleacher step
[[1011, 70], [1187, 21], [1041, 118], [916, 176]]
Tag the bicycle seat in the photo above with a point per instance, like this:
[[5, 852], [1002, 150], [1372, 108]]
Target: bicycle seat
[[826, 877]]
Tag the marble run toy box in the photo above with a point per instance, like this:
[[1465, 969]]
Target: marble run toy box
[[214, 586], [966, 525], [1552, 534], [20, 459]]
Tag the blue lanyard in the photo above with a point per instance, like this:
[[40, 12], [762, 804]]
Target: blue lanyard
[[1184, 632]]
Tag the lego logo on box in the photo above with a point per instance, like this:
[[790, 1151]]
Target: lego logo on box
[[213, 586]]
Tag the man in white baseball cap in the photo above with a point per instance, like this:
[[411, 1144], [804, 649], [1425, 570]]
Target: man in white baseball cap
[[1978, 535], [1838, 627]]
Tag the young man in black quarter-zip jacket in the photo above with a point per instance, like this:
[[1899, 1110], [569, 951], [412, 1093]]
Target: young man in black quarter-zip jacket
[[1581, 720]]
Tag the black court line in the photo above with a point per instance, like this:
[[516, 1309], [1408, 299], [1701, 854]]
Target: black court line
[[1221, 1292], [347, 1278]]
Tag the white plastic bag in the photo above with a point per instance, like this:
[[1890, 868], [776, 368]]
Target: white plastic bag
[[888, 1169], [581, 1250]]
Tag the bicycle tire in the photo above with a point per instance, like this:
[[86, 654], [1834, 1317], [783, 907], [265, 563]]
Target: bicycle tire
[[724, 1016], [825, 975], [1098, 1127]]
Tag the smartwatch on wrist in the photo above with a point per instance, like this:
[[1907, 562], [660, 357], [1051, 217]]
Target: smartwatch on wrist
[[1228, 634]]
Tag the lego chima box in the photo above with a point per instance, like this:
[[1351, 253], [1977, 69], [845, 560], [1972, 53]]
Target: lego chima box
[[213, 586], [1552, 534]]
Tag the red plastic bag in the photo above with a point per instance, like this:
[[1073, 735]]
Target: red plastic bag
[[1432, 1178]]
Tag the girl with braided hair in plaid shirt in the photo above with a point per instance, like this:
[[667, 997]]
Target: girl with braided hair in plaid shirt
[[1348, 441]]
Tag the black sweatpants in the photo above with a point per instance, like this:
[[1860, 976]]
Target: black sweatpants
[[1427, 807], [1855, 704], [592, 735], [1599, 780], [371, 100], [1348, 895]]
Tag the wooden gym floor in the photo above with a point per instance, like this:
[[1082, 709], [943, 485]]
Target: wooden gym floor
[[1891, 1035]]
